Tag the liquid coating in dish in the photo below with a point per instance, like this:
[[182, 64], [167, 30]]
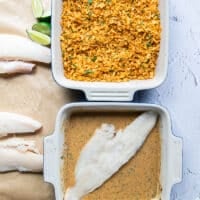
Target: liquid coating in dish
[[138, 179]]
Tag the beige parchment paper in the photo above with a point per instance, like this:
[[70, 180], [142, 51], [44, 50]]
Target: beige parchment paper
[[35, 95]]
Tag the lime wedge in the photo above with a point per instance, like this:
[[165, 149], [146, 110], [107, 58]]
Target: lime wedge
[[37, 8], [45, 19], [46, 14], [42, 27], [38, 37]]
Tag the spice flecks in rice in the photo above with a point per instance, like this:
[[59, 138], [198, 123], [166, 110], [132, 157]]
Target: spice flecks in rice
[[109, 40]]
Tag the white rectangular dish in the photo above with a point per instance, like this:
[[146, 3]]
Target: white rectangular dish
[[171, 146], [108, 91]]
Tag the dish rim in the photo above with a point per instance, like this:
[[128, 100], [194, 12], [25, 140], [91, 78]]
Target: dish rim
[[53, 146], [109, 91]]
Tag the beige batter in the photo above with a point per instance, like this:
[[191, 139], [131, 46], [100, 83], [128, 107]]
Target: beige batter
[[137, 180]]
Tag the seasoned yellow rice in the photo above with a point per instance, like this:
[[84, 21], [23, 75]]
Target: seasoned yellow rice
[[110, 40]]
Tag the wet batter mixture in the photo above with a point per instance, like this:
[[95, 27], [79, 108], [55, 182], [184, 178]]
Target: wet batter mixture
[[137, 180]]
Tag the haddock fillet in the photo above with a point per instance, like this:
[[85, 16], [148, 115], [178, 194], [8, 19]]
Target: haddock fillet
[[106, 152], [15, 48], [14, 123], [19, 154], [13, 67]]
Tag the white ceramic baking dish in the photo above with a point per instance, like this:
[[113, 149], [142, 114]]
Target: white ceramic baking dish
[[107, 91], [171, 153]]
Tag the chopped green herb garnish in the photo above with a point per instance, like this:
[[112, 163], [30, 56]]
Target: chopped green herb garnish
[[147, 60], [71, 29], [142, 65], [89, 15], [74, 65], [149, 44], [94, 59], [88, 71], [141, 22], [90, 2], [157, 16], [149, 36]]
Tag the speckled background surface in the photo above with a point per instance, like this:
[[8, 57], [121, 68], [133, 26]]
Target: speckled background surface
[[180, 93]]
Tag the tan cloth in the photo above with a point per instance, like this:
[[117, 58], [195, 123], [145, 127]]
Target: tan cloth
[[15, 186], [35, 95]]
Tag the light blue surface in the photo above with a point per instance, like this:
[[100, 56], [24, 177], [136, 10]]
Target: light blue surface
[[180, 93]]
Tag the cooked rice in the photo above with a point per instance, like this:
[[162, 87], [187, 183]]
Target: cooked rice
[[110, 40]]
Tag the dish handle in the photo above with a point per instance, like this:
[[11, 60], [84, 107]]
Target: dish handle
[[109, 95], [176, 159], [49, 159]]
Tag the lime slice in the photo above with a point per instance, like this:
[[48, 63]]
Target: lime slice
[[37, 8], [46, 14], [42, 27], [38, 37], [45, 19]]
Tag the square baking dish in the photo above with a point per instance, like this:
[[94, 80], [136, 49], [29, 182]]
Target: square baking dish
[[171, 146], [108, 91]]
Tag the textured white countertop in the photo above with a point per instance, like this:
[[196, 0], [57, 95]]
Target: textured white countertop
[[180, 93]]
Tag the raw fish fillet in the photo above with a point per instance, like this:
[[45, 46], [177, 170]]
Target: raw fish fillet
[[106, 152], [13, 67], [14, 123], [15, 47], [21, 155]]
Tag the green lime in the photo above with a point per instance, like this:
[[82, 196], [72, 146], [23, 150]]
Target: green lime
[[37, 8], [42, 27], [38, 37], [45, 19]]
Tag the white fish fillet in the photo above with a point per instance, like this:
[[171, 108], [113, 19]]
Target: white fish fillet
[[106, 152], [21, 155], [14, 123], [13, 67], [15, 47]]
